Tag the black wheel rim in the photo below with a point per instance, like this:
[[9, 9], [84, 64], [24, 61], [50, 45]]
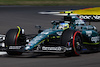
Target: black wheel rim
[[78, 43]]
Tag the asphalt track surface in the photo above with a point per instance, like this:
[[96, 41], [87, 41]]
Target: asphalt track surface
[[27, 17]]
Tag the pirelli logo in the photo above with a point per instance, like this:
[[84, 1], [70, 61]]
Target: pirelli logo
[[90, 17]]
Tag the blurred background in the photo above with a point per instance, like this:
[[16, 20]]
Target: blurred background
[[50, 2]]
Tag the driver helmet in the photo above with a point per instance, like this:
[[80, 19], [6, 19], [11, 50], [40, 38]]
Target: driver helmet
[[63, 26]]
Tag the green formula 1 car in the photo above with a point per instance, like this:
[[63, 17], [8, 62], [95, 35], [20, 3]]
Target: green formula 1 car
[[70, 36]]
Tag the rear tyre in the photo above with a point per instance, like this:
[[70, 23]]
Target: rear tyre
[[99, 42], [13, 39], [77, 43], [72, 40]]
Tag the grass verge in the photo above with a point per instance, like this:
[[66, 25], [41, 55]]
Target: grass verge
[[50, 2]]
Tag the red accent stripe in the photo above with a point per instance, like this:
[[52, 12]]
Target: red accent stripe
[[74, 42], [79, 18], [16, 39]]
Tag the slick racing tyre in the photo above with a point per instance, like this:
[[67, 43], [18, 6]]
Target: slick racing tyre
[[72, 40], [14, 37]]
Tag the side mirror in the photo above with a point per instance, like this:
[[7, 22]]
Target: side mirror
[[38, 27], [55, 22]]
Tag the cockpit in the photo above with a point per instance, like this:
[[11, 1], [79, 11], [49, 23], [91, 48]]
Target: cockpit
[[79, 22], [60, 25]]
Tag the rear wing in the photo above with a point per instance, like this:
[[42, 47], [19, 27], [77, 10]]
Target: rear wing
[[90, 17], [87, 14], [87, 18]]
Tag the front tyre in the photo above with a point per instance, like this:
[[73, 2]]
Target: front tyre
[[14, 37]]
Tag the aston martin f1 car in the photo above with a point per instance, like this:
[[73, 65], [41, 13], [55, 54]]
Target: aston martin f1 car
[[70, 36]]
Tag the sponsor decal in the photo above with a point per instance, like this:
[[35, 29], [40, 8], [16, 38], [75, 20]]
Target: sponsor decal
[[95, 39], [88, 33], [89, 17], [89, 27], [85, 17], [52, 48], [14, 47], [70, 48], [79, 22]]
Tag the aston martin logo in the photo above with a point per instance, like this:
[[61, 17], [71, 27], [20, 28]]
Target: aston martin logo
[[88, 33]]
